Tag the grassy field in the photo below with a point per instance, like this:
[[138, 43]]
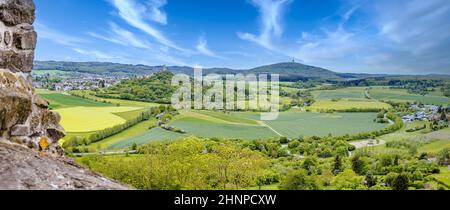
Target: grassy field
[[51, 73], [59, 100], [353, 92], [207, 128], [226, 118], [136, 130], [90, 95], [432, 147], [384, 93], [403, 135], [443, 177], [87, 119], [155, 134], [345, 104], [295, 124], [129, 115], [435, 146], [290, 124]]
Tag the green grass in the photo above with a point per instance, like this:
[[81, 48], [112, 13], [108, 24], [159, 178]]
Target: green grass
[[435, 146], [232, 118], [443, 177], [384, 93], [155, 134], [204, 128], [291, 89], [134, 131], [50, 72], [130, 114], [293, 125], [91, 95], [403, 135], [347, 104], [354, 92], [59, 100]]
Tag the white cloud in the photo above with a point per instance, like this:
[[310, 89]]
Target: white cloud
[[155, 13], [415, 26], [329, 45], [94, 53], [135, 14], [48, 33], [122, 37], [271, 12], [202, 47], [332, 45]]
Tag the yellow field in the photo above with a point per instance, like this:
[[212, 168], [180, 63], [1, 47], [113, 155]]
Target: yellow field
[[347, 104], [87, 119]]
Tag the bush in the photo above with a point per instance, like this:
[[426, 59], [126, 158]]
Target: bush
[[299, 180], [284, 140]]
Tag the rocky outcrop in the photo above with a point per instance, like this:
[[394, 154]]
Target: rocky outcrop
[[28, 169], [24, 115], [30, 156]]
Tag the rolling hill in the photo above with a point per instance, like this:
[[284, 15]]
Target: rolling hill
[[289, 71]]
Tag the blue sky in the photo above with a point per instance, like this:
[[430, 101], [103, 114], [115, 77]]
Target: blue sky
[[382, 36]]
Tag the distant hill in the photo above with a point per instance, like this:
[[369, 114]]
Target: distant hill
[[295, 71], [289, 71]]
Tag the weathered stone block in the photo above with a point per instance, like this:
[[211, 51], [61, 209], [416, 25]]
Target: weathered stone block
[[14, 12], [8, 38], [16, 62], [15, 106], [20, 130], [40, 102], [25, 40], [56, 133], [21, 139]]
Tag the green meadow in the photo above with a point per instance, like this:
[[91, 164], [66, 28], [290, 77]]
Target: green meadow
[[295, 124], [60, 100], [384, 93], [356, 92]]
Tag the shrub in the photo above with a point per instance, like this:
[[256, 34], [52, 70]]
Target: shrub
[[299, 180]]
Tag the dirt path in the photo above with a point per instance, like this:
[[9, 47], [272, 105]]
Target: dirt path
[[264, 124]]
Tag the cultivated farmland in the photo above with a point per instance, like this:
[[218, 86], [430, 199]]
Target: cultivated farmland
[[87, 119], [59, 100], [156, 134], [384, 93], [357, 92], [207, 128], [289, 124], [295, 124], [346, 104]]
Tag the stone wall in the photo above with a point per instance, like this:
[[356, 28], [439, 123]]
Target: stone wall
[[24, 115]]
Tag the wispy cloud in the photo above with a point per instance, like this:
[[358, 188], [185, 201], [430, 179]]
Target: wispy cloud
[[122, 37], [48, 33], [416, 26], [155, 13], [94, 53], [202, 47], [331, 45], [271, 12], [135, 14], [415, 35]]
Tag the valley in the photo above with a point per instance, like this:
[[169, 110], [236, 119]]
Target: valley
[[319, 122]]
